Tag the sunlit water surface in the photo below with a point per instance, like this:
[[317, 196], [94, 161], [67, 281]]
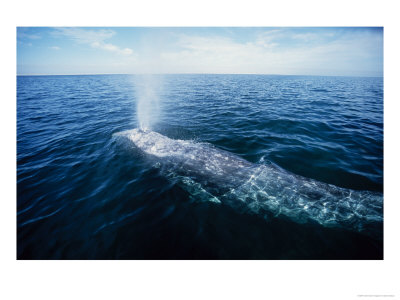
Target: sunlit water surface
[[82, 194]]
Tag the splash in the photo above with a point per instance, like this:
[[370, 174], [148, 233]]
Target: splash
[[148, 89]]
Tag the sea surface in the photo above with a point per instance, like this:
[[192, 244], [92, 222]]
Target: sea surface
[[82, 194]]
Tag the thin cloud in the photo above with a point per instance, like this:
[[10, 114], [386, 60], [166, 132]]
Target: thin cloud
[[219, 54], [84, 36], [25, 44], [24, 35], [269, 36], [296, 51], [55, 48], [305, 36], [111, 48], [94, 38]]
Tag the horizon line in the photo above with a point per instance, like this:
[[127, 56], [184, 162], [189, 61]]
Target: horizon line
[[265, 74]]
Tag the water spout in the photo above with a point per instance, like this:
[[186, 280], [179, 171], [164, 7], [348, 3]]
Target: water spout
[[148, 89]]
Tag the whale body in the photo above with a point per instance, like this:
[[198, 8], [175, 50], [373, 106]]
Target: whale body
[[266, 189]]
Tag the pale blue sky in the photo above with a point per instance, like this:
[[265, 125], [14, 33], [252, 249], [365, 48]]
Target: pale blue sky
[[293, 51]]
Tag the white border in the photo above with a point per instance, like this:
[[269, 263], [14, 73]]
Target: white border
[[197, 279]]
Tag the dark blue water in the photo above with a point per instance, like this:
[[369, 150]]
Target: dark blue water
[[83, 195]]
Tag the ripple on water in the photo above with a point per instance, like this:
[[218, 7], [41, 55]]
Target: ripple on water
[[81, 194]]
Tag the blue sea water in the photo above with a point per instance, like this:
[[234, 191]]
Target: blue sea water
[[81, 194]]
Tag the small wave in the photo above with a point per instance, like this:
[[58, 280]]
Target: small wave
[[118, 220], [41, 217]]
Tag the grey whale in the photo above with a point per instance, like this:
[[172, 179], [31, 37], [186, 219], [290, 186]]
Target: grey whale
[[222, 177]]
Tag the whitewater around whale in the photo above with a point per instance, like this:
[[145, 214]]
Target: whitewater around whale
[[266, 189]]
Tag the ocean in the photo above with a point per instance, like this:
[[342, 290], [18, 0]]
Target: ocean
[[82, 193]]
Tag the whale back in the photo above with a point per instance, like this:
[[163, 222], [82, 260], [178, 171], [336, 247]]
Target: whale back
[[265, 189]]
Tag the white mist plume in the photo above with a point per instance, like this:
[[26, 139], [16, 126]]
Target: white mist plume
[[149, 85], [148, 89]]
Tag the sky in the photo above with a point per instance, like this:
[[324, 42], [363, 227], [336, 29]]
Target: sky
[[345, 51]]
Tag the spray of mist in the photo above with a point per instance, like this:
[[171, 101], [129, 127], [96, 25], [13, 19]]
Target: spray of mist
[[148, 87], [148, 90]]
